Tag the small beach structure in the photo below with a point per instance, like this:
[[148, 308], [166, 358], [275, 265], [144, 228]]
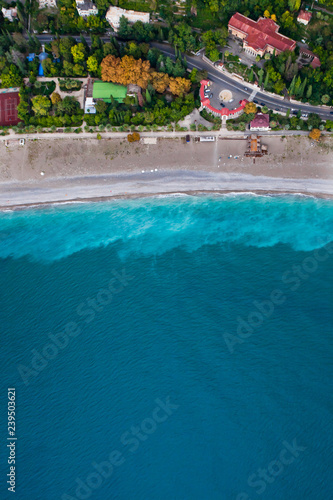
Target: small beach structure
[[254, 147], [104, 90]]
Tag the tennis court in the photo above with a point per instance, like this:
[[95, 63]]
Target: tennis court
[[8, 108]]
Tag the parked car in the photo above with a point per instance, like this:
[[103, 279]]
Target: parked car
[[222, 105], [231, 100], [211, 95], [245, 88], [277, 109], [255, 101], [262, 104], [294, 111], [331, 112], [304, 115]]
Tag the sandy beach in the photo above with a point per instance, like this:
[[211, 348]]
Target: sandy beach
[[90, 169]]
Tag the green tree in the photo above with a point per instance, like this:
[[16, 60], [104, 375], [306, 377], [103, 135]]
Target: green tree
[[292, 86], [261, 74], [148, 97], [294, 5], [325, 98], [78, 52], [214, 55], [302, 87], [101, 107], [92, 64], [309, 92], [41, 105], [11, 77]]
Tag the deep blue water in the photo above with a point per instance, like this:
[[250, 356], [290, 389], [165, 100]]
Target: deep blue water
[[176, 364]]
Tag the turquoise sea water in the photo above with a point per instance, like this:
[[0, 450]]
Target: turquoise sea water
[[169, 348]]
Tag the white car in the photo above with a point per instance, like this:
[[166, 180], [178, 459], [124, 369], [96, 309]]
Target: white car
[[231, 100]]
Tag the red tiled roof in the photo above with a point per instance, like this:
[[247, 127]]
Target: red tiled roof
[[261, 120], [261, 33], [305, 16], [315, 63]]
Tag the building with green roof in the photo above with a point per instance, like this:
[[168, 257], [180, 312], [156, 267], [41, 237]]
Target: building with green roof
[[103, 90]]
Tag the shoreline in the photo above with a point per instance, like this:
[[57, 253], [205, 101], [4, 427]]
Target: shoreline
[[22, 197], [82, 171]]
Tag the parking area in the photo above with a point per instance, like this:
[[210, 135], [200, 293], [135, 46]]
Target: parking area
[[224, 98]]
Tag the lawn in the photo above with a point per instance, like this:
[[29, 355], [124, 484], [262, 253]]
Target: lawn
[[103, 90]]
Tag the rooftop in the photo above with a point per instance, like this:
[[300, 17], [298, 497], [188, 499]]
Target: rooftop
[[261, 33], [261, 120], [315, 62], [131, 15], [304, 15]]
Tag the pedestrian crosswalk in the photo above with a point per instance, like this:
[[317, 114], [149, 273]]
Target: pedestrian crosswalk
[[252, 96]]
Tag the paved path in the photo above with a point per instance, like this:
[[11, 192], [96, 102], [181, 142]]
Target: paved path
[[162, 134]]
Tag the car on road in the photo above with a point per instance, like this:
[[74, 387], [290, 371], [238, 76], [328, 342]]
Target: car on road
[[245, 88], [222, 105], [331, 112], [262, 104], [231, 100]]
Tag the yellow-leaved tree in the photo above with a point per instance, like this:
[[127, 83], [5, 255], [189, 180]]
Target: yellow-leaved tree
[[179, 86], [250, 107], [160, 81], [125, 70], [315, 134]]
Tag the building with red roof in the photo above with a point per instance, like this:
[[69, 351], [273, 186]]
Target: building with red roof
[[304, 17], [259, 37], [310, 57], [228, 113], [260, 122]]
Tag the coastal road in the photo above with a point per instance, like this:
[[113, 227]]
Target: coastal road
[[228, 83], [225, 81]]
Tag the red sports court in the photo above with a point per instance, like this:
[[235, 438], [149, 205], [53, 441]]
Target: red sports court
[[9, 99]]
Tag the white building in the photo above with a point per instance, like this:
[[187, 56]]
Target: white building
[[89, 106], [47, 3], [10, 13], [114, 14], [86, 8], [304, 17]]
